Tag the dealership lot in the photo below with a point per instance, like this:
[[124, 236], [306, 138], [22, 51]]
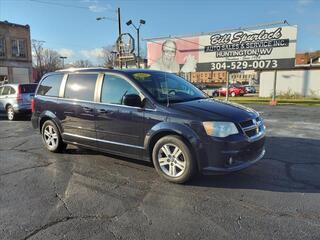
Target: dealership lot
[[83, 194]]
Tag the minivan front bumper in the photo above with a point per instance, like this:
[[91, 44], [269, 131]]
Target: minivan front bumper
[[225, 156], [233, 165]]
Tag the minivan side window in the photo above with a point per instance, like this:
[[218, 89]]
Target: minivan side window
[[114, 88], [81, 86], [50, 86]]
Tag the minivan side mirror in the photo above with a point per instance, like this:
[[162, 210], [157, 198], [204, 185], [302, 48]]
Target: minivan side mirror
[[133, 100]]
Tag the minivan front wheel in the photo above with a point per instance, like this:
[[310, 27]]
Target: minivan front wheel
[[173, 159], [51, 137]]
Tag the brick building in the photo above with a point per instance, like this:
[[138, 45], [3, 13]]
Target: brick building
[[15, 53], [307, 58]]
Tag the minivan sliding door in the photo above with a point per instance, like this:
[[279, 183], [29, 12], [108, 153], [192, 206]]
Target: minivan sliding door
[[78, 109]]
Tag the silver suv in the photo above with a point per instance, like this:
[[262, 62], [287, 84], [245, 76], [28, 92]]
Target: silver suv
[[15, 99]]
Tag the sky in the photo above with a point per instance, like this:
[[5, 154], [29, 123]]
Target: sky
[[70, 26]]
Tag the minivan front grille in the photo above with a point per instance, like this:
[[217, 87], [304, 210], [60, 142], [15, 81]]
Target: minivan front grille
[[246, 123], [252, 128]]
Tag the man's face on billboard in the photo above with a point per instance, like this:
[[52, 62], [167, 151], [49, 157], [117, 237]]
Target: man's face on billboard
[[169, 51]]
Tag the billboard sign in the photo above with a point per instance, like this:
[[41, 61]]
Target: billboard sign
[[268, 48]]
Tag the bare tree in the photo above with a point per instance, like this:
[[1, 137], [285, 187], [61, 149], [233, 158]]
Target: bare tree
[[37, 47], [45, 60], [109, 56], [51, 60], [82, 63]]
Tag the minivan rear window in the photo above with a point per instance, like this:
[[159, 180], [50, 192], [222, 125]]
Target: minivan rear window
[[50, 86], [28, 88], [81, 86]]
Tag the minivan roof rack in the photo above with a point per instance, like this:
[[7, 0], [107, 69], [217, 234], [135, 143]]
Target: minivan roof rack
[[72, 69]]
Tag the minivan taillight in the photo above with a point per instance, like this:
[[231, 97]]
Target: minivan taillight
[[19, 95], [32, 105]]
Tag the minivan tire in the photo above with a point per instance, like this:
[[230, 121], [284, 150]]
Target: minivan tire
[[170, 155], [10, 113], [51, 137]]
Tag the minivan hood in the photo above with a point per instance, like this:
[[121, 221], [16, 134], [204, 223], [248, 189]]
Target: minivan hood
[[209, 109]]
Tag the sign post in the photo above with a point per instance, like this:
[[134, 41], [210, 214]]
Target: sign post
[[125, 48], [274, 101], [227, 91]]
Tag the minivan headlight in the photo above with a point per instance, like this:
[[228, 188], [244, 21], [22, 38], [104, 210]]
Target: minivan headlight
[[220, 129]]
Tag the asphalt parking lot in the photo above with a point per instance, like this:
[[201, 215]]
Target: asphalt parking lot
[[83, 194]]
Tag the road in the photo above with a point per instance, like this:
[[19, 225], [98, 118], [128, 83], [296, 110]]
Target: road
[[83, 194]]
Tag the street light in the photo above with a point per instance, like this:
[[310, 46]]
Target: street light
[[63, 58], [138, 35], [119, 26]]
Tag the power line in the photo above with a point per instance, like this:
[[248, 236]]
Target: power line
[[66, 5]]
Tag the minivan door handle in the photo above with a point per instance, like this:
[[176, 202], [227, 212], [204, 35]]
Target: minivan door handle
[[102, 111], [87, 109]]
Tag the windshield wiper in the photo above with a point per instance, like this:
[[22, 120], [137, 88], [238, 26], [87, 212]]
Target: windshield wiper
[[186, 100], [193, 99]]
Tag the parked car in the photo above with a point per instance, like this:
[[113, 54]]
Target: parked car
[[234, 90], [215, 92], [250, 89], [148, 115], [15, 99]]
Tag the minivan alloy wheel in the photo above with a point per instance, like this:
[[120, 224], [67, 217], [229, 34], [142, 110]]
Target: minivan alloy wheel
[[50, 137], [171, 160]]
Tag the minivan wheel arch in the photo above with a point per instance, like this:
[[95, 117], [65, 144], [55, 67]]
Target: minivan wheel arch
[[156, 137], [48, 116]]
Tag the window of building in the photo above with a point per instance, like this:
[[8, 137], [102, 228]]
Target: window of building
[[81, 86], [2, 47], [114, 88], [18, 48], [50, 86]]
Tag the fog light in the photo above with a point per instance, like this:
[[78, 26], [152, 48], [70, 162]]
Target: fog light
[[230, 161]]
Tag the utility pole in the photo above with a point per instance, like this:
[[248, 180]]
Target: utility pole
[[138, 38], [119, 21], [119, 28]]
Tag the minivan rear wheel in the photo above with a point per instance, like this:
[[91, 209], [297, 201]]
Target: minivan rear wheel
[[10, 113], [173, 159], [51, 137]]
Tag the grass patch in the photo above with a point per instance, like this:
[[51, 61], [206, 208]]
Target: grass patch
[[281, 101]]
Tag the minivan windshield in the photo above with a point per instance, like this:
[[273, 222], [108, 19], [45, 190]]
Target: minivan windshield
[[167, 87]]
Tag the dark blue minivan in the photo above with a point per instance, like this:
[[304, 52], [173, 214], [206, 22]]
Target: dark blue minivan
[[149, 115]]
